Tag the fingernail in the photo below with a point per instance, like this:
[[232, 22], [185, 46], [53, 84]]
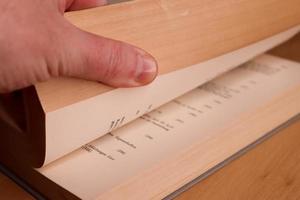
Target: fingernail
[[148, 72]]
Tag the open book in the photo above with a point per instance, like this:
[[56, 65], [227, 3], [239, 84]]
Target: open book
[[84, 140], [189, 51], [170, 146], [112, 109], [108, 111]]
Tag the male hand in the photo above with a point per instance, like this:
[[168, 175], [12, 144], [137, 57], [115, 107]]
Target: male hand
[[37, 43]]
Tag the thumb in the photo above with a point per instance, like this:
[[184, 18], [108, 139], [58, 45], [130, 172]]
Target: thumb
[[112, 62]]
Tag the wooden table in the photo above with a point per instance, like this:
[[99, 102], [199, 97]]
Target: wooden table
[[269, 171], [9, 190]]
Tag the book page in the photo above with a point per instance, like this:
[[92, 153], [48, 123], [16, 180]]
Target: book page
[[106, 112], [198, 116], [177, 33]]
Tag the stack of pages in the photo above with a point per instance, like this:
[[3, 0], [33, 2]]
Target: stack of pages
[[166, 148]]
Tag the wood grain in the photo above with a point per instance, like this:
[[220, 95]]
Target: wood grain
[[177, 33], [269, 171]]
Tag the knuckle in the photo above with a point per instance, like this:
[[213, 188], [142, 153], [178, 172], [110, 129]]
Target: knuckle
[[51, 69], [115, 61]]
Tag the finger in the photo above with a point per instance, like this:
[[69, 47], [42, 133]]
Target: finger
[[72, 5], [112, 62]]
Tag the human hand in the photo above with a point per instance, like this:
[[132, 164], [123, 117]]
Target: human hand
[[37, 43]]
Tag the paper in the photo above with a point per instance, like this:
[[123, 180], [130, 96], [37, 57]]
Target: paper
[[98, 115], [196, 116]]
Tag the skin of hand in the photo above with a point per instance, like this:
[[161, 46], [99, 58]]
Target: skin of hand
[[38, 43]]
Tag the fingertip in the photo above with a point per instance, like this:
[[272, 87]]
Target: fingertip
[[149, 70], [136, 67], [145, 72], [111, 62]]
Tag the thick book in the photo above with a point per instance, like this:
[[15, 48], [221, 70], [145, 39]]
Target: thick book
[[193, 43], [83, 140], [167, 148]]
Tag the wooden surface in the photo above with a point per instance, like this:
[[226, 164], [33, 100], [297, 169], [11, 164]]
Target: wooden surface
[[269, 171], [178, 33], [9, 190]]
